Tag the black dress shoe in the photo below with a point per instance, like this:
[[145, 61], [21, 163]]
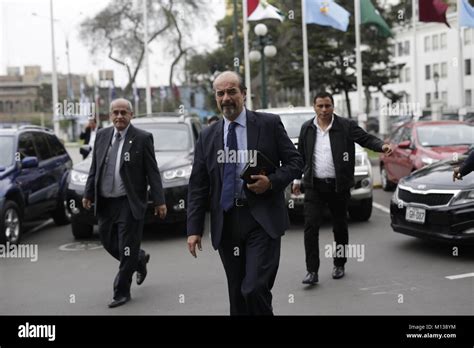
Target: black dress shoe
[[119, 301], [141, 275], [338, 272], [311, 278]]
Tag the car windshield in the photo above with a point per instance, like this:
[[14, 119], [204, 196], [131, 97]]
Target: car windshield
[[6, 145], [445, 135], [169, 137], [293, 122]]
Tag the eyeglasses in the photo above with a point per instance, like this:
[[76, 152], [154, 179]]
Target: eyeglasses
[[120, 112]]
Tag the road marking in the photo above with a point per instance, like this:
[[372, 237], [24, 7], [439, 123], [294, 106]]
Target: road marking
[[459, 276], [381, 207]]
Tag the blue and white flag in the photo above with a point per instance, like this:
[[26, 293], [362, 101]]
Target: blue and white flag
[[327, 13]]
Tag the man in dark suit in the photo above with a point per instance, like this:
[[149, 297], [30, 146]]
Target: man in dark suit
[[326, 143], [466, 168], [247, 220], [123, 165], [89, 136]]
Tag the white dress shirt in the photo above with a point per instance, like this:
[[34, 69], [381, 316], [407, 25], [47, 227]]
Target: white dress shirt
[[323, 163]]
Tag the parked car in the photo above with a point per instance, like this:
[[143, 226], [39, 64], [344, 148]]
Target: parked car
[[360, 204], [34, 167], [417, 144], [174, 138], [428, 204]]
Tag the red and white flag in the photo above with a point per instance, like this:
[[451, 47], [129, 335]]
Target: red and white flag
[[261, 9]]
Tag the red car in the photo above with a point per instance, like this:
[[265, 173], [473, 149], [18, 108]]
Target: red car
[[417, 144]]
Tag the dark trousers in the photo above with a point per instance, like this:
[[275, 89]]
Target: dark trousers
[[251, 259], [316, 199], [121, 236]]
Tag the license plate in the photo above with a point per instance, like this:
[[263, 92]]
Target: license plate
[[415, 215]]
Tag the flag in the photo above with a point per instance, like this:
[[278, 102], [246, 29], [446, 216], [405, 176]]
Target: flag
[[136, 96], [327, 13], [466, 14], [433, 11], [261, 9], [370, 15], [83, 95]]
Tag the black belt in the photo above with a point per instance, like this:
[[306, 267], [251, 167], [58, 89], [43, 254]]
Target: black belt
[[113, 198], [241, 202], [324, 180]]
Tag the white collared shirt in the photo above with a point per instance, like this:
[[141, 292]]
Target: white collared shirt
[[323, 163]]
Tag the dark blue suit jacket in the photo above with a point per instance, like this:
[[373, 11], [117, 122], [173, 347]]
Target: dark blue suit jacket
[[265, 133]]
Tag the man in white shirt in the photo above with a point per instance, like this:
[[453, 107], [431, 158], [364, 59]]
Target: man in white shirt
[[327, 146]]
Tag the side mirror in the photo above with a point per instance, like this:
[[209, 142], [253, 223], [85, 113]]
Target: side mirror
[[405, 144], [29, 162]]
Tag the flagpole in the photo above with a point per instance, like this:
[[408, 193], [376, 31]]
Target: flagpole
[[248, 83], [305, 54], [415, 55], [147, 65], [358, 56], [460, 60]]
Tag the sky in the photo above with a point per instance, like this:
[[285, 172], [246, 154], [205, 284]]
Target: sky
[[25, 39]]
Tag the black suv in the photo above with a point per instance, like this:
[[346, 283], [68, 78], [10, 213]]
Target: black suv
[[174, 137], [34, 166]]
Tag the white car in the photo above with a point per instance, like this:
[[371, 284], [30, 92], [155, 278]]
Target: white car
[[360, 204]]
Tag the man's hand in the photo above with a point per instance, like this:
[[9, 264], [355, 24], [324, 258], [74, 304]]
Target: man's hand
[[161, 210], [261, 185], [86, 203], [387, 149], [192, 242], [456, 174], [296, 189]]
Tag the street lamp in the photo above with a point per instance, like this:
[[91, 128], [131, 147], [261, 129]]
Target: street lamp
[[266, 50], [436, 81]]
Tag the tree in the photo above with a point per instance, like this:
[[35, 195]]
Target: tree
[[118, 29]]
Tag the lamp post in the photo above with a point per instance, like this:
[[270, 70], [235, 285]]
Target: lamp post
[[266, 50], [436, 81], [436, 105]]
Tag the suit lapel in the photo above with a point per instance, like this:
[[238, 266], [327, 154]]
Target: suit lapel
[[253, 130], [128, 143], [219, 146], [104, 145]]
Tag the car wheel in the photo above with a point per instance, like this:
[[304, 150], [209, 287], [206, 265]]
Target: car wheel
[[10, 223], [387, 185], [82, 231], [62, 215], [361, 212]]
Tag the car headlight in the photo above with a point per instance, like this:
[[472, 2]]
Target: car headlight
[[463, 197], [428, 160], [361, 159], [78, 178], [181, 172]]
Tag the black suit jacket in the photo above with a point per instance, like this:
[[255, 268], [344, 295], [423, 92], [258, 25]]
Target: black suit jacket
[[468, 165], [342, 135], [265, 133], [138, 169]]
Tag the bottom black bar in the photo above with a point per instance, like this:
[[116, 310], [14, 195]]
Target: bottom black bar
[[138, 330]]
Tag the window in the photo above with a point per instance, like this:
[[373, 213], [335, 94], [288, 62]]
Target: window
[[467, 36], [400, 48], [400, 75], [56, 148], [42, 147], [396, 135], [1, 106], [435, 42], [407, 48], [444, 97], [427, 43], [436, 69], [468, 97], [427, 72], [428, 100], [406, 134], [25, 145], [407, 98], [444, 69], [407, 74], [467, 67], [444, 40]]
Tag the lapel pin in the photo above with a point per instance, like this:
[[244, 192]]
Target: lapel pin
[[130, 141]]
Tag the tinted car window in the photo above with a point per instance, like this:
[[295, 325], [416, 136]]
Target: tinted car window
[[6, 144], [395, 137], [293, 123], [169, 137], [406, 134], [25, 145], [41, 143], [56, 148], [447, 134]]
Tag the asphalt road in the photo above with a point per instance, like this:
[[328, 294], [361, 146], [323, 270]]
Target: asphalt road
[[399, 275]]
